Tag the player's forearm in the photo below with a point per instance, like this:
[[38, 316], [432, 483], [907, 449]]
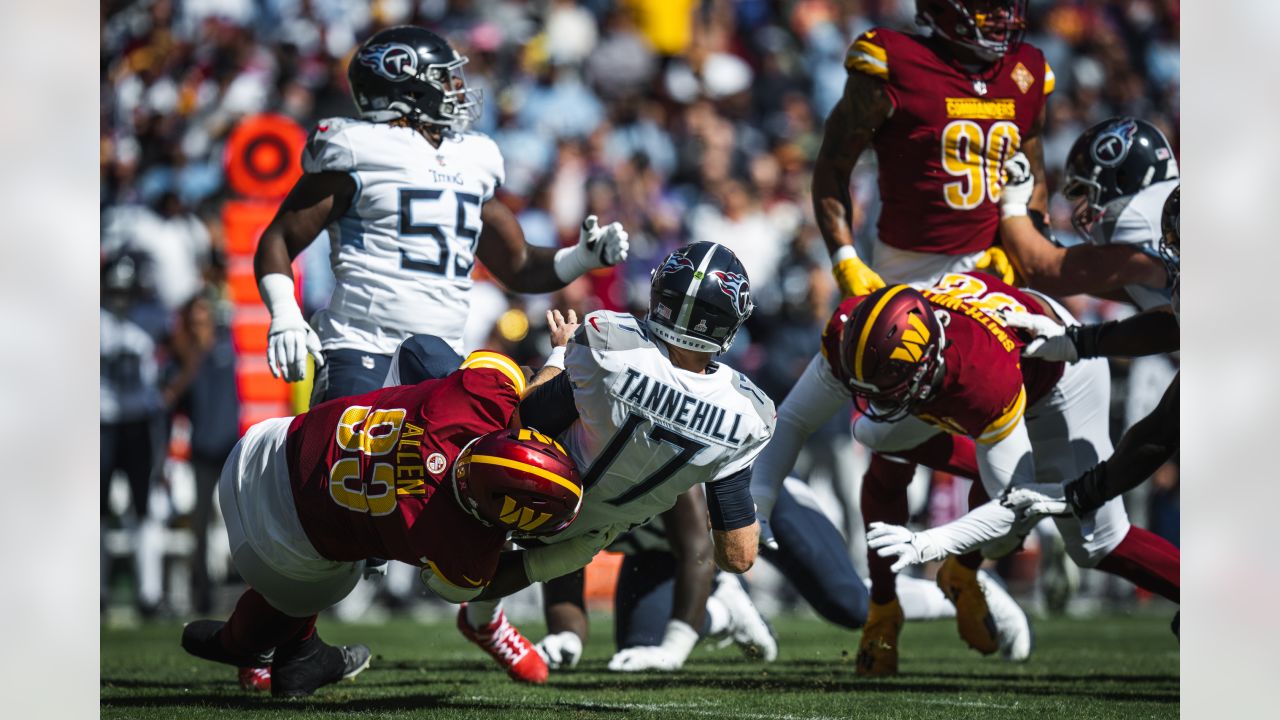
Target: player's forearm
[[272, 255], [533, 272], [1087, 269], [509, 578], [735, 550], [832, 203], [1148, 333], [974, 529]]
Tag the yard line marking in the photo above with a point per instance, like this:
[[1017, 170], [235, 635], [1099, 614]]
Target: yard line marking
[[961, 703], [701, 708]]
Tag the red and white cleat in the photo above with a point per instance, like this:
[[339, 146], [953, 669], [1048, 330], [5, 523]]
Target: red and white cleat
[[255, 679], [507, 646]]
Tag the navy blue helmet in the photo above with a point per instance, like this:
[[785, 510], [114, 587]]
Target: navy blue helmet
[[699, 297], [411, 72]]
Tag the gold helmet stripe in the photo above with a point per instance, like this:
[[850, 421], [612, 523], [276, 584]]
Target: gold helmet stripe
[[525, 467], [866, 330]]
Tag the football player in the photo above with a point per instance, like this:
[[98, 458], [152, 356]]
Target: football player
[[647, 413], [406, 192], [436, 474], [1119, 173], [944, 113], [1151, 441], [946, 358]]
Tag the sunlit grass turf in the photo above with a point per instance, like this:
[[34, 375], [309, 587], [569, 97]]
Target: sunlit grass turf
[[1113, 667]]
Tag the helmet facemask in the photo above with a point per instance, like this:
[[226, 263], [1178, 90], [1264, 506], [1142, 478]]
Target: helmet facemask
[[988, 28], [1086, 193]]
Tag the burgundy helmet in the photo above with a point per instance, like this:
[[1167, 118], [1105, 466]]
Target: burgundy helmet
[[990, 28], [520, 480], [891, 351]]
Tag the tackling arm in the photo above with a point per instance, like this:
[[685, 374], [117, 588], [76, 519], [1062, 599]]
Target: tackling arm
[[853, 122], [686, 525], [1085, 268]]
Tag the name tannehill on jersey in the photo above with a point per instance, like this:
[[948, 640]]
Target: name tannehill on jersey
[[660, 400]]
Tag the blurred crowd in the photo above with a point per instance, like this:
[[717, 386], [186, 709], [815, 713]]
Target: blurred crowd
[[684, 119]]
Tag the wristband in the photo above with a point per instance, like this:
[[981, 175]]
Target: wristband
[[277, 294], [1086, 338], [569, 264], [556, 358], [842, 253], [1085, 493]]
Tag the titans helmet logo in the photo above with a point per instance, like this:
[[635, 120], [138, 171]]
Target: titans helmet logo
[[675, 263], [736, 287], [394, 61], [1112, 144]]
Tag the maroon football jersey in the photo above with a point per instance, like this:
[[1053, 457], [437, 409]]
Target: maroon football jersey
[[941, 153], [986, 381], [370, 473]]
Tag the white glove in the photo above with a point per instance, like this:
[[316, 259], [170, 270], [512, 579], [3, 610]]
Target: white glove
[[677, 643], [909, 548], [1018, 184], [1050, 342], [560, 650], [290, 338], [597, 247], [1036, 501]]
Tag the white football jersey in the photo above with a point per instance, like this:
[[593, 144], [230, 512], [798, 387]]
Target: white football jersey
[[1135, 220], [647, 430], [403, 252]]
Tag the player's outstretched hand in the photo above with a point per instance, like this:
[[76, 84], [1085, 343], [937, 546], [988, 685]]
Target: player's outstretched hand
[[561, 329], [560, 650], [604, 246], [1036, 501], [1018, 185], [289, 340], [1050, 341], [906, 548]]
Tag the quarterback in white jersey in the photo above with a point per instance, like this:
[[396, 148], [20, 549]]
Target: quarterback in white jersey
[[646, 414], [405, 192]]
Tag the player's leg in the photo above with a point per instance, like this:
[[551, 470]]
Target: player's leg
[[644, 599], [349, 372], [278, 611], [485, 624], [141, 458], [813, 556]]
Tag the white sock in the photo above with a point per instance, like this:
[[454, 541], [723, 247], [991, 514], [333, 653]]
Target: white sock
[[718, 616], [483, 613], [923, 600]]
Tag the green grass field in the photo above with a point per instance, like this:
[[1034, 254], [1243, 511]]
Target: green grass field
[[1117, 667]]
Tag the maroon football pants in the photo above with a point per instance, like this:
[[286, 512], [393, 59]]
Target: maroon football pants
[[255, 627]]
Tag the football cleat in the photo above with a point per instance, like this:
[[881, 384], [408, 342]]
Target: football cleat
[[1013, 630], [255, 679], [507, 647], [747, 627], [973, 617], [200, 638], [312, 664], [878, 649]]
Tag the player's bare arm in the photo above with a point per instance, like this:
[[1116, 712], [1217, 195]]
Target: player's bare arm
[[849, 130], [524, 268], [735, 550], [317, 200], [686, 525]]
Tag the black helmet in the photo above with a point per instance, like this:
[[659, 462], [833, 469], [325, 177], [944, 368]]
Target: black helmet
[[1170, 242], [411, 72], [1113, 159], [699, 298]]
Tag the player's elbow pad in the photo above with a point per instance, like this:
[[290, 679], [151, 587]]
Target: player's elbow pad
[[446, 590]]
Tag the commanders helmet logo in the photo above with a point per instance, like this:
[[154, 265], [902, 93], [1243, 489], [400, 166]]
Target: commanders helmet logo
[[736, 287], [1112, 144], [393, 61]]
